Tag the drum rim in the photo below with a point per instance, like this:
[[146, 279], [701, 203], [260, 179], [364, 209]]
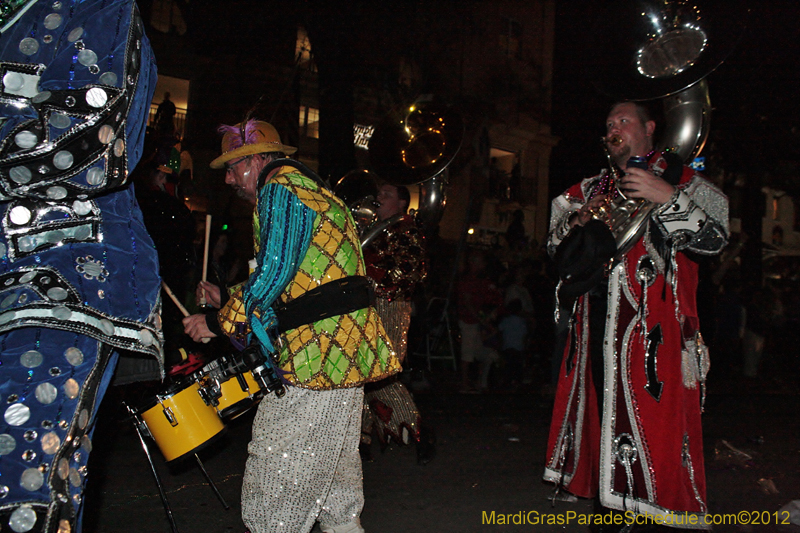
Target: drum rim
[[237, 409], [166, 394]]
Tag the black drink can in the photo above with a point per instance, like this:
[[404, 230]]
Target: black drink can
[[637, 161]]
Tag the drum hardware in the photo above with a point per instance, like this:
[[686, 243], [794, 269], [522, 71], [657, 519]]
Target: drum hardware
[[210, 390], [229, 388], [141, 430], [263, 371]]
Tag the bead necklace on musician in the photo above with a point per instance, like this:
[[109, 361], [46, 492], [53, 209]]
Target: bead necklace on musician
[[632, 375]]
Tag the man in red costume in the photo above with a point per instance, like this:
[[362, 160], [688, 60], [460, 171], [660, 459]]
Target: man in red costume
[[626, 423], [396, 262]]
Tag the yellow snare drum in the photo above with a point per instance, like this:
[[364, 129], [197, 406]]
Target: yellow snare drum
[[180, 421], [239, 393]]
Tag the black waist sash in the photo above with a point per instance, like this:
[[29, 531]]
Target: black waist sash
[[335, 298]]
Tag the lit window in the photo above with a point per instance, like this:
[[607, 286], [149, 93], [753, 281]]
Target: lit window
[[302, 50], [309, 122]]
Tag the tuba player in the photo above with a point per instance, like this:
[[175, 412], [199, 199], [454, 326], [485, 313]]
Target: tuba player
[[626, 426]]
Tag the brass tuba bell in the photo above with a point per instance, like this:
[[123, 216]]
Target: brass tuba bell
[[415, 147]]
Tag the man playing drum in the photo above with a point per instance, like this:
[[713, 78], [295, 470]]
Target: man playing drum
[[304, 464]]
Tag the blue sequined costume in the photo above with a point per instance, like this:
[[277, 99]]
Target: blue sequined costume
[[78, 272]]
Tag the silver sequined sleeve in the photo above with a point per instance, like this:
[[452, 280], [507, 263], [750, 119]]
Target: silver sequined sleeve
[[696, 218], [561, 208]]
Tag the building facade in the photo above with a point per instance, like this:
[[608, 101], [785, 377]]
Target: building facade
[[321, 75]]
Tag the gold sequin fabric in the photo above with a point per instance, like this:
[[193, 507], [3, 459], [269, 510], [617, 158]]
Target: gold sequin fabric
[[396, 318], [388, 409], [345, 350], [233, 313]]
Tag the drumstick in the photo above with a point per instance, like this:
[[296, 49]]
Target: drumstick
[[177, 302], [205, 257]]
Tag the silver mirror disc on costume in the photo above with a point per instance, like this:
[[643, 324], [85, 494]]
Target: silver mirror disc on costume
[[75, 34], [32, 479], [62, 161], [20, 175], [108, 78], [50, 443], [31, 359], [29, 46], [13, 81], [17, 414], [71, 389], [87, 57], [96, 97], [53, 21], [26, 139], [20, 215], [46, 393], [74, 356], [7, 444], [95, 176], [23, 518], [60, 121]]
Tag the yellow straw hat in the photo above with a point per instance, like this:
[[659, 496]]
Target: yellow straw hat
[[257, 137]]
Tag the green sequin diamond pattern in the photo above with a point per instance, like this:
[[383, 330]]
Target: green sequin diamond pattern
[[336, 365], [347, 257], [366, 356], [317, 266], [307, 363]]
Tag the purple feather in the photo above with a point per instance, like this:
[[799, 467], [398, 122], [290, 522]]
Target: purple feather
[[251, 133]]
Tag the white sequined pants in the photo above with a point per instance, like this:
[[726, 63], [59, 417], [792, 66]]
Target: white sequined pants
[[304, 464]]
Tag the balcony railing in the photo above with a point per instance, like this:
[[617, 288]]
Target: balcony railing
[[179, 119]]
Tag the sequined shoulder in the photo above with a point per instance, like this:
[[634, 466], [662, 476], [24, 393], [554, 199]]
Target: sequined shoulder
[[308, 190]]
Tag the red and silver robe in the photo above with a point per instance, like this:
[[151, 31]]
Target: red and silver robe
[[645, 454]]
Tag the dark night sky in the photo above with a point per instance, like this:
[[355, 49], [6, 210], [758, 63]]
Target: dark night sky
[[755, 125]]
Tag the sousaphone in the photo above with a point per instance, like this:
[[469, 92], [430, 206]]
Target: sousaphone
[[649, 50], [415, 148], [412, 147]]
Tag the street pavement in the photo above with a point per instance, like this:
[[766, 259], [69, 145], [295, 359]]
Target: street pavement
[[490, 454]]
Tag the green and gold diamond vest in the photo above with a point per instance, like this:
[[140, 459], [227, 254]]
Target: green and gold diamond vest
[[345, 350]]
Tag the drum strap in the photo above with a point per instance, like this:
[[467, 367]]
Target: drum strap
[[335, 298]]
